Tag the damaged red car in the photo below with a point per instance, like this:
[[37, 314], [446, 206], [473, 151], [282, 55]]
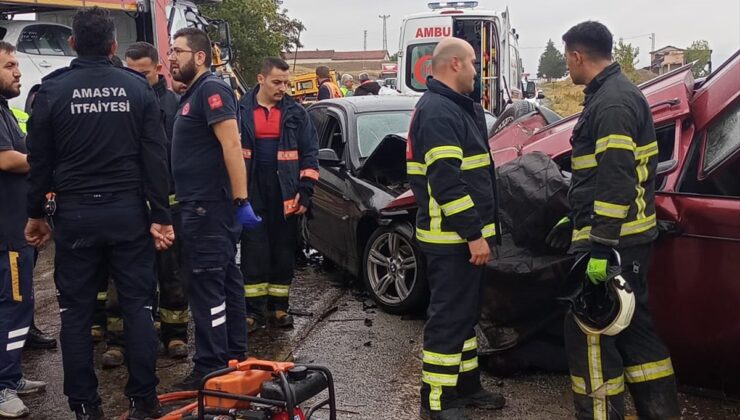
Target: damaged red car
[[695, 276]]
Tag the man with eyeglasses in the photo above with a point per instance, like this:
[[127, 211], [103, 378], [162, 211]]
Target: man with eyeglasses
[[211, 187]]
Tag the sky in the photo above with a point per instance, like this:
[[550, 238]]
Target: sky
[[675, 22]]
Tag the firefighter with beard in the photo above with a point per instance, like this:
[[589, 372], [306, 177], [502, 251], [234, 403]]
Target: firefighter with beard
[[211, 188]]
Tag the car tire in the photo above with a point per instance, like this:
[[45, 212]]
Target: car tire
[[394, 271], [513, 112]]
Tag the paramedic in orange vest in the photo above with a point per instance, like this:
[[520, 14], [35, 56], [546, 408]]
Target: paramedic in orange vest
[[327, 88]]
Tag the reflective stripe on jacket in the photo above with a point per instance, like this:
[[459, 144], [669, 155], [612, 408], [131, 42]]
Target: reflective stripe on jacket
[[615, 156], [450, 172]]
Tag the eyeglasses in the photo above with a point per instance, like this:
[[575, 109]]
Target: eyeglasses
[[178, 51]]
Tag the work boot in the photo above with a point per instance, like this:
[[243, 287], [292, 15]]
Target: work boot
[[192, 382], [114, 356], [254, 324], [98, 333], [36, 339], [448, 414], [11, 407], [482, 398], [144, 408], [177, 349], [26, 387], [85, 412], [282, 319]]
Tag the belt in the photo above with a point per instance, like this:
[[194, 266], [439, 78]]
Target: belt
[[98, 196]]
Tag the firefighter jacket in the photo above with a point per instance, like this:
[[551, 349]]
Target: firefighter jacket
[[96, 129], [615, 155], [450, 171], [298, 148]]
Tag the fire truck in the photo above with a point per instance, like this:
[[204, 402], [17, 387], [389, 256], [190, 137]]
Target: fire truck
[[490, 33], [41, 40]]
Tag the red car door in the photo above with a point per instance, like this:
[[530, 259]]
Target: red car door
[[695, 277]]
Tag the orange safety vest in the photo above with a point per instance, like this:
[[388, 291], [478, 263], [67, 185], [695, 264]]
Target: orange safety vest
[[333, 89]]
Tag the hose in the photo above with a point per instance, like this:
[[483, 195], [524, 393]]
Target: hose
[[173, 397]]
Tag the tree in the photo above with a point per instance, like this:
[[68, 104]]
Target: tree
[[259, 29], [552, 63], [626, 56], [699, 53]]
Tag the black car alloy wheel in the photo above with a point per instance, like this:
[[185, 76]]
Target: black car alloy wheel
[[393, 271]]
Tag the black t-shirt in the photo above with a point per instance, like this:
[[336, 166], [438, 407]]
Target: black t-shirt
[[13, 187], [198, 166]]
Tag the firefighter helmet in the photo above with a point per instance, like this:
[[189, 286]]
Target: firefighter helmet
[[605, 308]]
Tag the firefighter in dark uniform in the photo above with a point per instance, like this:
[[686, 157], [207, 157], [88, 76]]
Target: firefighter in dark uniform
[[452, 177], [173, 304], [612, 197], [280, 149], [95, 135], [16, 256], [211, 186]]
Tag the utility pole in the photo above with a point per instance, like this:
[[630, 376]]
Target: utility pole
[[364, 43], [385, 31], [295, 57], [652, 40]]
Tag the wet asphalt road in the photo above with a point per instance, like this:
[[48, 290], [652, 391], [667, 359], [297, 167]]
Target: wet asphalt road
[[373, 356]]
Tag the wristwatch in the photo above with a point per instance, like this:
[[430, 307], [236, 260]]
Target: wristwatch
[[240, 202]]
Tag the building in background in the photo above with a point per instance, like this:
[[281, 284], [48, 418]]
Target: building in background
[[666, 59]]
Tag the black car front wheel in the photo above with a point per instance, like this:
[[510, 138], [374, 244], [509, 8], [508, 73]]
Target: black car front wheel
[[393, 270]]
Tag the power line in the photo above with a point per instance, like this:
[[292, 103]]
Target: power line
[[385, 31]]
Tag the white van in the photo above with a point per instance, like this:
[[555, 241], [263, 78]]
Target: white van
[[42, 47], [490, 33]]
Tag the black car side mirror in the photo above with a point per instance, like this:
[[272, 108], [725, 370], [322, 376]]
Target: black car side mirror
[[329, 158], [540, 95]]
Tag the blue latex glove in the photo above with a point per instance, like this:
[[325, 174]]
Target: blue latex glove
[[246, 216]]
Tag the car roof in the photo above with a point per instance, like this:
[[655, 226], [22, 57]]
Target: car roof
[[371, 103]]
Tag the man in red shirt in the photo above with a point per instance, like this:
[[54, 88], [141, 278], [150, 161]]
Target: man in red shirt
[[280, 150]]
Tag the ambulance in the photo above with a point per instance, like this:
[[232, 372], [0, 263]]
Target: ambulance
[[490, 33]]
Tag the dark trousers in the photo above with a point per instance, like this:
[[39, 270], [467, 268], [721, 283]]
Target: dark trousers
[[450, 356], [16, 311], [99, 318], [171, 303], [601, 364], [268, 251], [91, 230], [210, 232], [173, 299]]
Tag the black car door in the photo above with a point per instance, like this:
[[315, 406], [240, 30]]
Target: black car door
[[329, 229]]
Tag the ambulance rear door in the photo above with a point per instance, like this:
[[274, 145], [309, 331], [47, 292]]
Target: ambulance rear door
[[419, 36]]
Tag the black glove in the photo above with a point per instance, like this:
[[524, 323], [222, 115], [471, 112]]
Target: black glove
[[561, 235], [306, 195]]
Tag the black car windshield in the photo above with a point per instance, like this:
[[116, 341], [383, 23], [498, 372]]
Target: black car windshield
[[372, 127]]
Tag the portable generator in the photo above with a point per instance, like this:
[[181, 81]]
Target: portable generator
[[256, 390]]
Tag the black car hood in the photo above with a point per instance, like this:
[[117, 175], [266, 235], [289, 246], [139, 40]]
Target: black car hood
[[386, 165]]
